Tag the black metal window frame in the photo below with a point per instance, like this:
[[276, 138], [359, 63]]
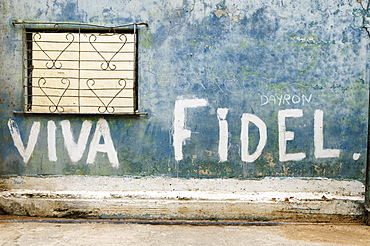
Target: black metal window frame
[[30, 28]]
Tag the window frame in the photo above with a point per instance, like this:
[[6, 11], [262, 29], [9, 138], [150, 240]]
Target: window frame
[[29, 28]]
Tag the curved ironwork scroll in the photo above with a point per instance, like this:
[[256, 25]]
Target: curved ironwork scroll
[[107, 64], [55, 106], [106, 108], [53, 62]]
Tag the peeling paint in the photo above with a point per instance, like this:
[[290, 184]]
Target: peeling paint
[[221, 12]]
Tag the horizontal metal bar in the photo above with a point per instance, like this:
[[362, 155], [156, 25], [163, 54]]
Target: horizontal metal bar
[[70, 113], [76, 42], [83, 69], [82, 78], [79, 89], [15, 22], [82, 106], [85, 51], [81, 96], [81, 60]]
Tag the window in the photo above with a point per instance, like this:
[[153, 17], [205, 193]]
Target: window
[[86, 70]]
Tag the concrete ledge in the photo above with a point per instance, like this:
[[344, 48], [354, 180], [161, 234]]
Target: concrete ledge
[[170, 198]]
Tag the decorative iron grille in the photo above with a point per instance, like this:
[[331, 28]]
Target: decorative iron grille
[[81, 72]]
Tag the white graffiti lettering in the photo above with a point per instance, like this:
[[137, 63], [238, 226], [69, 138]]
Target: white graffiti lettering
[[285, 136], [75, 150], [27, 151], [320, 152], [180, 134], [223, 144], [102, 141], [102, 131], [52, 149], [244, 137]]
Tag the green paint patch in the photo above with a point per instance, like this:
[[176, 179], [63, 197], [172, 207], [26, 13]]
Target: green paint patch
[[244, 44], [194, 42], [308, 39], [146, 40]]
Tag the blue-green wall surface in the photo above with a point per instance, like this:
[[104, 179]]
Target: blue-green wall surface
[[246, 89]]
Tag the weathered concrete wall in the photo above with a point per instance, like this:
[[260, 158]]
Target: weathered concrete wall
[[233, 89], [285, 62]]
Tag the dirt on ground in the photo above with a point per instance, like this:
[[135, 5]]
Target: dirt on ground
[[342, 234]]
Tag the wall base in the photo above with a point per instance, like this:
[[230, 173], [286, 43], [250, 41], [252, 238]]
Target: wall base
[[169, 198]]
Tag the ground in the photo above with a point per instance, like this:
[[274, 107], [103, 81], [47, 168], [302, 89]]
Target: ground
[[15, 232]]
